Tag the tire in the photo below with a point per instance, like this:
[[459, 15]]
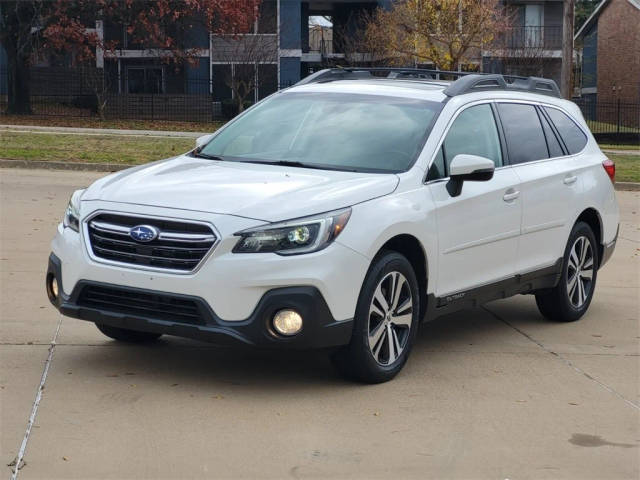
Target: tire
[[381, 359], [570, 299], [129, 336]]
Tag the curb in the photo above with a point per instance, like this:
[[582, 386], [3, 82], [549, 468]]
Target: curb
[[77, 166], [628, 186], [622, 152], [100, 131]]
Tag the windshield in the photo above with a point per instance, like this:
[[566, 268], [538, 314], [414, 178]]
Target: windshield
[[334, 131]]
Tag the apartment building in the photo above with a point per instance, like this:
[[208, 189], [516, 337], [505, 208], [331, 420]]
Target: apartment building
[[609, 47], [281, 49], [532, 45]]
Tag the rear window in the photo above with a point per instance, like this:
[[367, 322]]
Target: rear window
[[523, 132], [573, 137]]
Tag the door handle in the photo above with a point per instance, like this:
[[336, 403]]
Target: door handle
[[570, 180], [510, 195]]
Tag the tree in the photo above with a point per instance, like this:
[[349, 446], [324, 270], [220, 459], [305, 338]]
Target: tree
[[446, 33], [62, 26], [567, 48], [519, 58], [244, 54], [584, 8], [19, 34]]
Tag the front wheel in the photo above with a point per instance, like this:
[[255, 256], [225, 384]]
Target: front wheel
[[385, 324], [570, 299]]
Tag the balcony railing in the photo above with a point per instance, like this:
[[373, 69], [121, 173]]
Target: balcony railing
[[546, 38]]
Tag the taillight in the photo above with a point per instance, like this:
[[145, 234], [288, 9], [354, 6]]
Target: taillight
[[610, 168]]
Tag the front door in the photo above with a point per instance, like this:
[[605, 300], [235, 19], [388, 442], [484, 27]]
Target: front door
[[477, 230]]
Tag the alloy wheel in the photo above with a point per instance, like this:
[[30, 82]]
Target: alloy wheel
[[390, 318], [580, 272]]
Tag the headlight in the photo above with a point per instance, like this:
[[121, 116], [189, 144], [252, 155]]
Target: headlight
[[295, 236], [72, 214]]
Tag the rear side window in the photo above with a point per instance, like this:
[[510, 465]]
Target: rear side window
[[555, 150], [523, 132], [573, 137]]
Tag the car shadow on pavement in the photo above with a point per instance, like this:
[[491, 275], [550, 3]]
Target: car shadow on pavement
[[174, 360]]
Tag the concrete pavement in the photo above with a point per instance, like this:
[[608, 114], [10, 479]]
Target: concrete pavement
[[495, 392]]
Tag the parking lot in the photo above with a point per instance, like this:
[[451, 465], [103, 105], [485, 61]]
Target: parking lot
[[495, 392]]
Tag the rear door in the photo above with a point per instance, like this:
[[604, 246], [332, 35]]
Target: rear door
[[477, 230], [549, 184]]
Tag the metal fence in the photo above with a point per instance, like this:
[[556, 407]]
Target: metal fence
[[612, 122], [172, 98], [65, 93]]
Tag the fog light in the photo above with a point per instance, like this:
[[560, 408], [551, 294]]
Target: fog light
[[287, 322], [53, 289]]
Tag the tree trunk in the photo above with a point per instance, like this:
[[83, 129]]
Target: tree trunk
[[19, 84], [567, 48]]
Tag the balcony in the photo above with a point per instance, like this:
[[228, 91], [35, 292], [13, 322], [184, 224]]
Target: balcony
[[543, 38]]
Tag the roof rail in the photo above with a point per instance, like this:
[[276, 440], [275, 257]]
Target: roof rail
[[465, 82], [355, 73], [481, 82]]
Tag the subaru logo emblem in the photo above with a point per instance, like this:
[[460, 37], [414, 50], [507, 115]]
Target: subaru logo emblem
[[143, 233]]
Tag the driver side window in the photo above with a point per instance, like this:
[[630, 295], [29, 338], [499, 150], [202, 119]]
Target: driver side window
[[473, 132]]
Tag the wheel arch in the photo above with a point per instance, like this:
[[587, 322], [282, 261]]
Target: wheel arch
[[411, 248], [591, 217]]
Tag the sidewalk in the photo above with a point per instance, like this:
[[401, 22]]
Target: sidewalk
[[98, 131], [622, 152]]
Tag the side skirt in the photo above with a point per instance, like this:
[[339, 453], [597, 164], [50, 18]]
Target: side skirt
[[525, 283]]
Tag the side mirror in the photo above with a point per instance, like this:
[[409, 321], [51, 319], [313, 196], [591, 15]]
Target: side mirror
[[203, 140], [468, 168]]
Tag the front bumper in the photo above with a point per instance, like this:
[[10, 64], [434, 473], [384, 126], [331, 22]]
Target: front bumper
[[319, 330]]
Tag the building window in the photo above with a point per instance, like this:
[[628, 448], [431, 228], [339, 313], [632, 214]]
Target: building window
[[145, 80], [267, 17]]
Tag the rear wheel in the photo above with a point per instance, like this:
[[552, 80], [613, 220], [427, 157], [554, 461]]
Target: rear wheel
[[125, 335], [385, 324], [570, 299]]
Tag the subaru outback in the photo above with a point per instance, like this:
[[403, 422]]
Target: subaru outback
[[343, 212]]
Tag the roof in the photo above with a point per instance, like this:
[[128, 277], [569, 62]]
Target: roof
[[425, 80], [593, 18], [419, 90], [395, 88]]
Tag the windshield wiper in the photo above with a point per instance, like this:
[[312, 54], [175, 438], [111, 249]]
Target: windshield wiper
[[291, 163], [197, 154], [298, 164]]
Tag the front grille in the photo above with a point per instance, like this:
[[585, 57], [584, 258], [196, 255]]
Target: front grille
[[156, 306], [180, 245]]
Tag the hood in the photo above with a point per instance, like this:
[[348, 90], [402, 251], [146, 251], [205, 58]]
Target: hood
[[263, 192]]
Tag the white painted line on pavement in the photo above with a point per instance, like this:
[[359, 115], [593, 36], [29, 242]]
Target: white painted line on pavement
[[18, 462]]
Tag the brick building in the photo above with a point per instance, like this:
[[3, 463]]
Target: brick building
[[610, 45]]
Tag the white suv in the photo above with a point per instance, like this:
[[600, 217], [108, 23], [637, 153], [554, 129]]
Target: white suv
[[343, 212]]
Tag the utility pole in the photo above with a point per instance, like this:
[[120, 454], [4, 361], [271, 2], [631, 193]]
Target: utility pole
[[567, 48]]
